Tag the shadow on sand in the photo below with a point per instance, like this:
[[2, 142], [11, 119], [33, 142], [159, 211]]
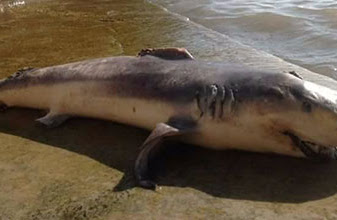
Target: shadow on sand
[[226, 174]]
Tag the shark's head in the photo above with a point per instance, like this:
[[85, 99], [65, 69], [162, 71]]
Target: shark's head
[[303, 112], [313, 119]]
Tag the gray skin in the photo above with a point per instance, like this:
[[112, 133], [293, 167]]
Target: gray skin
[[212, 104]]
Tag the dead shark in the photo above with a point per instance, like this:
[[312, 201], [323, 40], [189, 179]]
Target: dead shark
[[211, 104]]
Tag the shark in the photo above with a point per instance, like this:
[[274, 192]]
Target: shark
[[167, 91]]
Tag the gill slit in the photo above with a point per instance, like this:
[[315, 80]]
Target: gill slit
[[215, 101]]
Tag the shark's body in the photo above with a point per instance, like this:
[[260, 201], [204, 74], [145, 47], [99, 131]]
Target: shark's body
[[215, 105]]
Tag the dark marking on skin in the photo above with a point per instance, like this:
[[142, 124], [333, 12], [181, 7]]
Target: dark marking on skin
[[295, 74], [134, 109], [167, 53]]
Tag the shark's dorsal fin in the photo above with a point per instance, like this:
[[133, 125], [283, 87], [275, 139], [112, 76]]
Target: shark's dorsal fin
[[173, 53]]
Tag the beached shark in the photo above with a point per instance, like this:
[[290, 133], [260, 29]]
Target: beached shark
[[211, 104]]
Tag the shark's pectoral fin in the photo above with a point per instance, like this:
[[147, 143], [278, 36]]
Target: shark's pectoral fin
[[167, 53], [174, 127], [52, 120]]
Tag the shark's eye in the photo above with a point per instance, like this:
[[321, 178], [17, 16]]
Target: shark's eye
[[306, 106]]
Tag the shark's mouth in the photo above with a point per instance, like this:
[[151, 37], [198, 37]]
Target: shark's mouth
[[313, 150]]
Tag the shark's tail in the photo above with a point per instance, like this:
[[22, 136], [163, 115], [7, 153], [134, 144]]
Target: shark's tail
[[18, 79], [20, 73]]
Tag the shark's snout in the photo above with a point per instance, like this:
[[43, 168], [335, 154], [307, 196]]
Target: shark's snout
[[313, 120]]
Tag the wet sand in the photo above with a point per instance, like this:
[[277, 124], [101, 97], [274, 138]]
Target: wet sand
[[83, 169]]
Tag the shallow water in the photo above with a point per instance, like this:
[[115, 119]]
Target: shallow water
[[303, 32]]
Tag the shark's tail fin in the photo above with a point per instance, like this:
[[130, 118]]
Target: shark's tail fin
[[16, 80]]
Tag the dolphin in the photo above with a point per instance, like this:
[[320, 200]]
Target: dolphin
[[217, 105]]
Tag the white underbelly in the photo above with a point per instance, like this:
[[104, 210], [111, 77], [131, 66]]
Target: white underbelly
[[90, 99], [245, 133], [131, 111]]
